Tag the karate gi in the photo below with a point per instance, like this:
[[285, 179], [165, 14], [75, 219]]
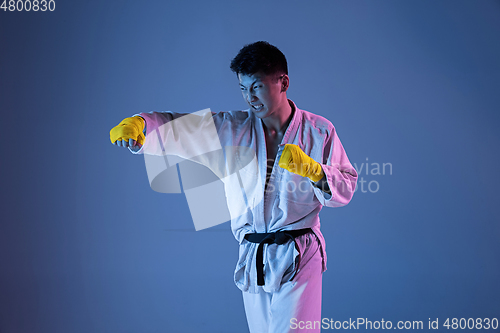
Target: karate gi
[[289, 202]]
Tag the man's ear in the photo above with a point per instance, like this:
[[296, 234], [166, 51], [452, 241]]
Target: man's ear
[[285, 83]]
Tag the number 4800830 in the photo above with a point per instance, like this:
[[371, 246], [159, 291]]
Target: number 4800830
[[28, 5]]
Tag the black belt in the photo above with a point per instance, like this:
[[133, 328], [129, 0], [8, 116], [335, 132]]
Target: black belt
[[278, 237]]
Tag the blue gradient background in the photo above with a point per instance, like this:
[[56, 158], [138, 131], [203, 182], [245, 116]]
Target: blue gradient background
[[87, 246]]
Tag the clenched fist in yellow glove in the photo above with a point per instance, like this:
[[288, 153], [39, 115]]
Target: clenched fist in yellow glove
[[295, 160], [128, 132]]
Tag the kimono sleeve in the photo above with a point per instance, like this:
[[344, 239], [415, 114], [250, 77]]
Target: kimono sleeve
[[167, 133], [178, 139], [340, 174]]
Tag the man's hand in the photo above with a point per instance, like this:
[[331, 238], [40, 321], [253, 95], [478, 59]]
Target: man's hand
[[295, 160], [128, 133]]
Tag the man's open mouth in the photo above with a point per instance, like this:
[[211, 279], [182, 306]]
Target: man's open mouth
[[257, 107]]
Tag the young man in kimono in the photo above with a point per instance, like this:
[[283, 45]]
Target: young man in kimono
[[302, 166]]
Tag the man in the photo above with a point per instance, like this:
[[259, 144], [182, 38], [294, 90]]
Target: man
[[282, 251]]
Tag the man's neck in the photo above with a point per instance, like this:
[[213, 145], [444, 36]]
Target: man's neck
[[278, 125]]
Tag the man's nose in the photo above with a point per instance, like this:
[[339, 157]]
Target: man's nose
[[250, 96]]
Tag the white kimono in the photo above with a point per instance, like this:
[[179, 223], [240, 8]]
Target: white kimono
[[290, 201]]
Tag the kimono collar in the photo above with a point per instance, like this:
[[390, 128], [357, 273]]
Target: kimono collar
[[292, 127]]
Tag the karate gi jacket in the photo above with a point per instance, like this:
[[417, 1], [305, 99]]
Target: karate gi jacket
[[290, 200]]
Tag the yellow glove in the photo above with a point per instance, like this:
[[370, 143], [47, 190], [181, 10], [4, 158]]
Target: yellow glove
[[295, 160], [129, 128]]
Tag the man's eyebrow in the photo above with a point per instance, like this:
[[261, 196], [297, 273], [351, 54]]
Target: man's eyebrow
[[250, 84]]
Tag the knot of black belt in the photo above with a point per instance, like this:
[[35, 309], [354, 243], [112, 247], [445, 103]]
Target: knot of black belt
[[278, 237]]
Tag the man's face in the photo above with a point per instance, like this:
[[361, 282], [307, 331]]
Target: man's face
[[263, 93]]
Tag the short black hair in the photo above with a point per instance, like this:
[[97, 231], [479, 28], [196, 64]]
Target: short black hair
[[259, 56]]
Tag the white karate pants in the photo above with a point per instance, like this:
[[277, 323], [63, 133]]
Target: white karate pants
[[296, 306]]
